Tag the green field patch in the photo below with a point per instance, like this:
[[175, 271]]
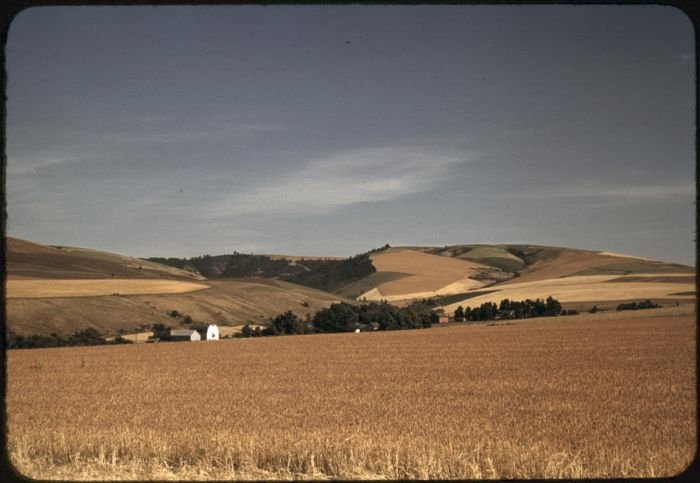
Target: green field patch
[[459, 297], [454, 251], [529, 254], [494, 256], [357, 288], [635, 267], [505, 264], [659, 279]]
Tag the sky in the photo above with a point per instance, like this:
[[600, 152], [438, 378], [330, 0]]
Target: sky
[[332, 130]]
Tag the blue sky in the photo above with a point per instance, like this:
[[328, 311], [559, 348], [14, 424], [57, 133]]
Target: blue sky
[[331, 130]]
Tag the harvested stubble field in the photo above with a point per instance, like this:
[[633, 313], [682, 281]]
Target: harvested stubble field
[[580, 396], [40, 288], [587, 288], [424, 274]]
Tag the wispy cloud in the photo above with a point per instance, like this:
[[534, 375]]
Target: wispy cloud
[[346, 178], [29, 165], [619, 192]]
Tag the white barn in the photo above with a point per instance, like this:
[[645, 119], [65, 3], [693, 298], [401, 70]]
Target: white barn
[[212, 332], [185, 334]]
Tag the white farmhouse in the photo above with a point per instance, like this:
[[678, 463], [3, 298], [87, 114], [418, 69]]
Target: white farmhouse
[[185, 334]]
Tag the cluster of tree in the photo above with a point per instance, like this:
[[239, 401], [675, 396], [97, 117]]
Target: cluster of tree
[[344, 317], [240, 265], [161, 332], [186, 319], [211, 267], [322, 274], [511, 309], [645, 304], [287, 323], [84, 337], [330, 275], [380, 249]]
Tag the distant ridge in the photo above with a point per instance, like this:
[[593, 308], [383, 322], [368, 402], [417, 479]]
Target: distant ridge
[[62, 288]]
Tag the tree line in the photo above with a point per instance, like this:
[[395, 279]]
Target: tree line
[[322, 274], [645, 304], [345, 317], [511, 309]]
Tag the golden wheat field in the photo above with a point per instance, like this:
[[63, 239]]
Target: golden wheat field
[[39, 288], [571, 397], [427, 274], [584, 288]]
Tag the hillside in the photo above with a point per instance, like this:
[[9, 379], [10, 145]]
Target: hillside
[[474, 274], [421, 275], [328, 274], [579, 278], [52, 289], [226, 302], [34, 261], [65, 289]]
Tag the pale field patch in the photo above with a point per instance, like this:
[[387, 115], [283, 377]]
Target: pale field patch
[[621, 255], [38, 288], [543, 398], [454, 288], [557, 282], [428, 273], [138, 337], [599, 291]]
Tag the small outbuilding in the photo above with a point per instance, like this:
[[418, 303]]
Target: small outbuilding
[[186, 335], [212, 332]]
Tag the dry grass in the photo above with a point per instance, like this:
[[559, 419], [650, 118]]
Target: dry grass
[[622, 255], [586, 288], [565, 263], [426, 274], [542, 398], [26, 259], [95, 288], [227, 302]]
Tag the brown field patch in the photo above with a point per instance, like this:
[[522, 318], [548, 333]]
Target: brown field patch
[[542, 398], [426, 273], [226, 302], [96, 287], [31, 260], [565, 263]]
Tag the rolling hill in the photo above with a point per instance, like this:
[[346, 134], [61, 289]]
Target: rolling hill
[[64, 289], [578, 278], [34, 261], [474, 274], [60, 289]]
